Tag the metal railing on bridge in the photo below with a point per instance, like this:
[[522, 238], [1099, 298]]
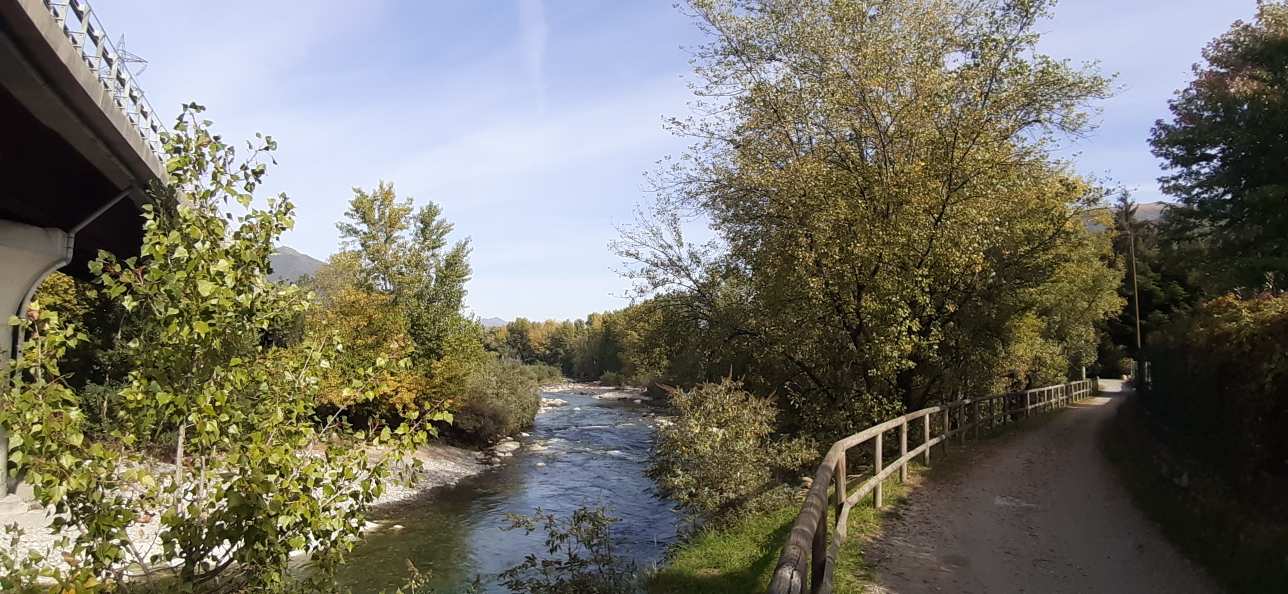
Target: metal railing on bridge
[[810, 555], [79, 23]]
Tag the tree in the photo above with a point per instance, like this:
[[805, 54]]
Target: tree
[[1225, 154], [96, 360], [254, 474], [878, 174], [408, 256], [1163, 283], [399, 260]]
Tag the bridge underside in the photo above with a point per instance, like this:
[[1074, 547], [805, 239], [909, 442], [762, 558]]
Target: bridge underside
[[77, 150], [46, 183]]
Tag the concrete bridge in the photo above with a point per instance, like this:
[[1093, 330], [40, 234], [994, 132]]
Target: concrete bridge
[[79, 145]]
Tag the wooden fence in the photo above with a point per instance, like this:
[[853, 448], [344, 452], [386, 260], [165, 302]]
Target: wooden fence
[[811, 552]]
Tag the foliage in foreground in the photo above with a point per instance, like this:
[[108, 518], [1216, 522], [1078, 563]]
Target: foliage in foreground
[[1220, 376], [1241, 543], [582, 559], [254, 475], [739, 556]]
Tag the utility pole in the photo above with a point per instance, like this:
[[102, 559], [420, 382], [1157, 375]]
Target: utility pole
[[1135, 294]]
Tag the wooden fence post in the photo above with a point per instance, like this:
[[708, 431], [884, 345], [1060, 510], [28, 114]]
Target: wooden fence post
[[925, 436], [961, 423], [947, 413], [903, 451], [840, 485], [975, 417], [877, 466], [818, 553]]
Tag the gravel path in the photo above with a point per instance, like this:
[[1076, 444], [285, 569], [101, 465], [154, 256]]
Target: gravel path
[[1038, 510]]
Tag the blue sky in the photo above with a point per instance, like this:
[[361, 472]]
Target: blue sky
[[532, 122]]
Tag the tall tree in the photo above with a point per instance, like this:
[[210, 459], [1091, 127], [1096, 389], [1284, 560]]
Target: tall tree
[[1227, 160], [405, 253], [1163, 281]]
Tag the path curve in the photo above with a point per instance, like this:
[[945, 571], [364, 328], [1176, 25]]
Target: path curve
[[1039, 510]]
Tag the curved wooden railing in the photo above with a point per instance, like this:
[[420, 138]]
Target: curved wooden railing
[[809, 550]]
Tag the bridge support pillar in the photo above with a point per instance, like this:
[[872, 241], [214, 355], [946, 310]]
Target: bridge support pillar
[[27, 255]]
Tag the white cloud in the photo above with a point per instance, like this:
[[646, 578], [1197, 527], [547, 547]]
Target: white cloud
[[515, 146], [533, 33]]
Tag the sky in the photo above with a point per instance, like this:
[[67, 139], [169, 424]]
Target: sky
[[532, 123]]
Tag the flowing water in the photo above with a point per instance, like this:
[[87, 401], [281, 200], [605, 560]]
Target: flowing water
[[587, 453]]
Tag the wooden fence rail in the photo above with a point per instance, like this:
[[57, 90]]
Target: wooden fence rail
[[810, 551]]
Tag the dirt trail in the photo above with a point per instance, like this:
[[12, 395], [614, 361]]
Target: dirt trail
[[1039, 510]]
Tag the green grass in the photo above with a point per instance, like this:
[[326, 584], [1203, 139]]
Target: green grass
[[1239, 546], [738, 558]]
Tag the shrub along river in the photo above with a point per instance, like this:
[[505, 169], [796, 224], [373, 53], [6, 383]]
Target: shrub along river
[[589, 452]]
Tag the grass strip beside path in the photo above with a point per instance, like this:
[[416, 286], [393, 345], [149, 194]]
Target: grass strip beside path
[[738, 558]]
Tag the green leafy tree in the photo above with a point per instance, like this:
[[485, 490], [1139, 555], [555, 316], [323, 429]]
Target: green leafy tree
[[254, 475], [105, 324], [1165, 282], [402, 257], [1225, 154], [880, 180], [406, 254]]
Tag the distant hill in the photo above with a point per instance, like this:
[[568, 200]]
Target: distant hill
[[289, 264], [1150, 211], [491, 323]]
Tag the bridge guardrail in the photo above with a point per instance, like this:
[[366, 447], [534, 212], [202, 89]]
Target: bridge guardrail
[[809, 555], [79, 23]]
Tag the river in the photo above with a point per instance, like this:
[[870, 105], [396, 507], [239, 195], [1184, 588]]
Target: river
[[587, 453]]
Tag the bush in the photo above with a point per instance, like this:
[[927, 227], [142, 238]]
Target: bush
[[720, 452], [502, 399], [544, 374], [1220, 385], [582, 559], [612, 378]]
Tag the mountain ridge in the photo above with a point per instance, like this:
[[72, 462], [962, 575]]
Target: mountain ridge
[[290, 264]]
